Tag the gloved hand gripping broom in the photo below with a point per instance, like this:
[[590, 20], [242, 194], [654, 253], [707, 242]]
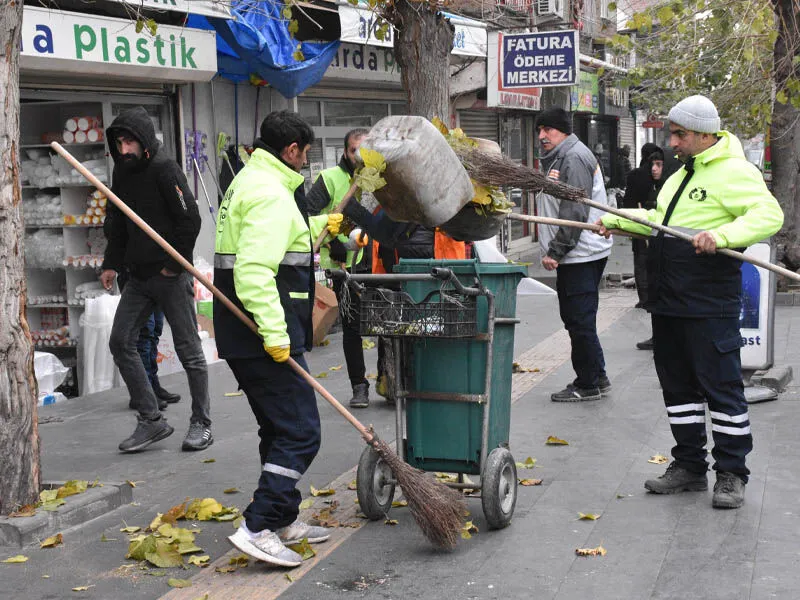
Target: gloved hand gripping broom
[[437, 509]]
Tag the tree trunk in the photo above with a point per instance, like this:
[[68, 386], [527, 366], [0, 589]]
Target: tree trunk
[[785, 135], [422, 48], [19, 435]]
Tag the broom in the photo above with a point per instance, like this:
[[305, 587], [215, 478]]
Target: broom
[[495, 170], [437, 509], [576, 224]]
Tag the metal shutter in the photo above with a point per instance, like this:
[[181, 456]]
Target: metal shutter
[[480, 124], [627, 135]]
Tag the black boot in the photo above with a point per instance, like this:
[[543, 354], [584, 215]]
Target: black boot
[[360, 397], [167, 397]]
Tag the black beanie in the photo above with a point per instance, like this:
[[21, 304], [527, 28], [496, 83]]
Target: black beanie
[[555, 117]]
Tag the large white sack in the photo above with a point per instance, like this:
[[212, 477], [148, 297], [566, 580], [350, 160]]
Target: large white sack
[[425, 181], [98, 364]]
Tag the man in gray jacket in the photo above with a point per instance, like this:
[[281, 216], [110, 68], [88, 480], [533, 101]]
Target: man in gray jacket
[[577, 256]]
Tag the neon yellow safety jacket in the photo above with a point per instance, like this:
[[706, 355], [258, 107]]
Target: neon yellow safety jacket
[[337, 183], [725, 194], [263, 260]]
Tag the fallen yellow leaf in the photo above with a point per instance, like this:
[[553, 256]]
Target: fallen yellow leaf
[[588, 516], [390, 522], [130, 483], [599, 551], [658, 459], [209, 460], [200, 561], [554, 441], [307, 503], [19, 558], [82, 588], [231, 491], [322, 375], [232, 394], [367, 345], [528, 464], [131, 529], [304, 549], [179, 583], [323, 492], [352, 485], [530, 482], [52, 541], [399, 503], [336, 368], [289, 578]]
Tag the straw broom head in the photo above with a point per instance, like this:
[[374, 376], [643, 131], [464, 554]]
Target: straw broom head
[[438, 510], [492, 169]]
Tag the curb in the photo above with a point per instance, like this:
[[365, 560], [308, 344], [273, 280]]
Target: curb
[[79, 509]]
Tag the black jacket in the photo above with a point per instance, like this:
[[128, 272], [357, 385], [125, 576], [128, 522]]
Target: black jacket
[[156, 189]]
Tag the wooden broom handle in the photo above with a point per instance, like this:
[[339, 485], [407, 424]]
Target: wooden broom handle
[[365, 433], [576, 224], [686, 237], [339, 208]]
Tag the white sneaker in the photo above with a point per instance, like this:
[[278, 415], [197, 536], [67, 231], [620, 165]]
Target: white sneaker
[[297, 531], [266, 546]]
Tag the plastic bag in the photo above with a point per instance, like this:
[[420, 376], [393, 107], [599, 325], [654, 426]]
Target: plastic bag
[[487, 252], [50, 372], [425, 180], [98, 364]]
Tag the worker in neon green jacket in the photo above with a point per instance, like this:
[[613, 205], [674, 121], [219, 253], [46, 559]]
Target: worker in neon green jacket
[[264, 263], [694, 295], [323, 197]]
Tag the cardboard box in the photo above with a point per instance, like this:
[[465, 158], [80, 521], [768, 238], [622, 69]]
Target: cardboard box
[[326, 309]]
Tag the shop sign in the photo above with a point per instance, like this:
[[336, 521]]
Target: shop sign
[[547, 59], [585, 96], [497, 94], [360, 26], [361, 63], [208, 8], [653, 122], [67, 42]]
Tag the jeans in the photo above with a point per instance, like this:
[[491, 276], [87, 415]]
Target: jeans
[[147, 346], [577, 286], [174, 296], [289, 431]]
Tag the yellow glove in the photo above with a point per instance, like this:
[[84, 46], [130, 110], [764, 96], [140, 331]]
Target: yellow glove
[[335, 223], [278, 353]]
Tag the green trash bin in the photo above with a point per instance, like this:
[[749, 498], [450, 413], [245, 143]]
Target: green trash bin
[[445, 435]]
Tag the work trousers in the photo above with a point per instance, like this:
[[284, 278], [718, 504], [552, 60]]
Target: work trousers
[[289, 431], [640, 268], [698, 362], [349, 313], [578, 298], [174, 296]]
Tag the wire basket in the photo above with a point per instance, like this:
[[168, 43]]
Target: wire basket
[[441, 314]]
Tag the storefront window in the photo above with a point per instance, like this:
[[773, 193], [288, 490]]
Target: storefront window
[[354, 114], [309, 110]]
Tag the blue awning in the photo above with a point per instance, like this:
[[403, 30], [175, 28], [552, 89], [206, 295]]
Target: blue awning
[[257, 41]]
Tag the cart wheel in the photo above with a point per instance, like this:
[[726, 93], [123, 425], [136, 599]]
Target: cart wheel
[[374, 485], [499, 488]]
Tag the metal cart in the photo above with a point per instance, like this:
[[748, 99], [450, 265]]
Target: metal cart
[[452, 392]]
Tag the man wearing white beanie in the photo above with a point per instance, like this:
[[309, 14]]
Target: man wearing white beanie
[[694, 297]]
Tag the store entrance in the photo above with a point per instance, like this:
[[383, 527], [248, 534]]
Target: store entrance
[[64, 216]]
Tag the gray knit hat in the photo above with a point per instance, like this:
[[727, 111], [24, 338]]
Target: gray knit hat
[[696, 113]]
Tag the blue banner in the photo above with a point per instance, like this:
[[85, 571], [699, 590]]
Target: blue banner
[[546, 59]]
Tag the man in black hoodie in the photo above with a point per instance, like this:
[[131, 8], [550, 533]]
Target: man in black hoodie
[[638, 186], [152, 184]]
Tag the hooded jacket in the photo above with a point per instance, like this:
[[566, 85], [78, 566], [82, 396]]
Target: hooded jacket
[[639, 182], [156, 190], [573, 163], [725, 195]]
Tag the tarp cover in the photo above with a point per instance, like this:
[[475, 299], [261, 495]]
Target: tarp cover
[[256, 41]]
